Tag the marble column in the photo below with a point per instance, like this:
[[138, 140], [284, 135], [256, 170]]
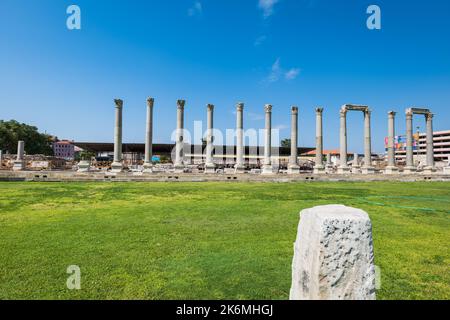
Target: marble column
[[148, 166], [293, 167], [410, 167], [355, 168], [329, 164], [391, 168], [1, 158], [319, 167], [367, 168], [20, 150], [430, 148], [179, 152], [210, 167], [117, 165], [240, 165], [19, 163], [267, 167], [343, 168]]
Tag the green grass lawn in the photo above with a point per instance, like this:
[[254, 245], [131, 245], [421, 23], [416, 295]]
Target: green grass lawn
[[207, 240]]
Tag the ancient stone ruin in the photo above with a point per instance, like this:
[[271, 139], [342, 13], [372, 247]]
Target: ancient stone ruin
[[333, 255], [269, 164]]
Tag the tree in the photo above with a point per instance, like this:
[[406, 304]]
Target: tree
[[84, 155], [35, 143], [286, 143]]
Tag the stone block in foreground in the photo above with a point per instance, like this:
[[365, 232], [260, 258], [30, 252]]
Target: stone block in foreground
[[333, 255]]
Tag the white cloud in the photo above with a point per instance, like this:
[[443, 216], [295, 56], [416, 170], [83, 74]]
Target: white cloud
[[196, 9], [281, 127], [277, 72], [260, 40], [267, 7], [292, 74]]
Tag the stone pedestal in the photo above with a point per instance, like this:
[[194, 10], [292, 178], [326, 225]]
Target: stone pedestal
[[267, 169], [148, 168], [367, 170], [447, 170], [320, 169], [409, 170], [429, 170], [329, 164], [116, 167], [19, 165], [391, 170], [179, 168], [343, 170], [333, 255], [84, 166], [355, 169], [293, 169], [239, 168], [210, 168]]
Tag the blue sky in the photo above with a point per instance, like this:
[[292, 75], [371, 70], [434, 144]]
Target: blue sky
[[288, 52]]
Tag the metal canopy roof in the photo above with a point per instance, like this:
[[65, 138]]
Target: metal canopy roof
[[168, 147]]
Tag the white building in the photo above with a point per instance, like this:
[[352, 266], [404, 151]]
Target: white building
[[441, 143]]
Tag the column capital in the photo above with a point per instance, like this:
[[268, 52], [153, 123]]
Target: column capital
[[119, 103], [180, 104], [409, 112], [294, 110], [343, 112], [150, 102], [268, 108], [240, 106], [319, 110], [368, 112], [210, 107], [392, 113], [429, 116]]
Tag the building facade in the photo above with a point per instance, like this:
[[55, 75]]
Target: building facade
[[134, 153], [441, 144], [64, 149]]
